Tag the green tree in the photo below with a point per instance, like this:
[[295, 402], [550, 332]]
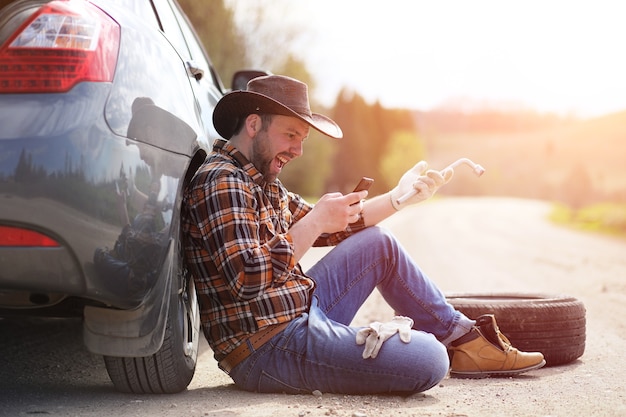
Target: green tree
[[240, 35], [353, 157], [404, 150], [577, 188], [368, 130]]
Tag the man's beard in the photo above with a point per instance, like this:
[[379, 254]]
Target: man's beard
[[261, 158]]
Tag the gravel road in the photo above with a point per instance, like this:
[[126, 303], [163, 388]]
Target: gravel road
[[465, 245]]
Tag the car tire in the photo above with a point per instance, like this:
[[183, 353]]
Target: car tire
[[554, 325], [171, 368]]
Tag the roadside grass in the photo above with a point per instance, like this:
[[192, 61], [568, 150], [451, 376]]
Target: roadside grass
[[605, 218]]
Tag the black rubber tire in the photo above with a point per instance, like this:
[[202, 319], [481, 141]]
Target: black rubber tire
[[554, 325], [171, 368]]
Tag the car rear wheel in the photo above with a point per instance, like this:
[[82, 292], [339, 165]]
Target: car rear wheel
[[552, 325], [172, 367]]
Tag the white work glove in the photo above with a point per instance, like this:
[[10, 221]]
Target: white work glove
[[421, 182], [374, 336]]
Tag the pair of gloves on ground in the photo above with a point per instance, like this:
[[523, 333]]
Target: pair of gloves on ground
[[421, 182]]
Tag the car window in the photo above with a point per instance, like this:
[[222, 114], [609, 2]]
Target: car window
[[171, 27], [198, 53], [141, 8]]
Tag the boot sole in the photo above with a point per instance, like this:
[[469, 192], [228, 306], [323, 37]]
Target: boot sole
[[487, 374]]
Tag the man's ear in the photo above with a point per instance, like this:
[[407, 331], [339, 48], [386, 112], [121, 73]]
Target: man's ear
[[253, 124]]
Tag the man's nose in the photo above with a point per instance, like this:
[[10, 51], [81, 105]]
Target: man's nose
[[297, 149]]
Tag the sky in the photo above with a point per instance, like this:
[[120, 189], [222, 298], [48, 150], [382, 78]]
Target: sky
[[564, 56]]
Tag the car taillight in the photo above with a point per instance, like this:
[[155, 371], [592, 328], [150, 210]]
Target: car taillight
[[16, 236], [61, 44]]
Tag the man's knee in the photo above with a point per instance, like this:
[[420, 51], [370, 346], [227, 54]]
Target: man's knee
[[433, 364], [377, 235]]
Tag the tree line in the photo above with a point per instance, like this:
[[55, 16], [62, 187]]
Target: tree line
[[378, 142]]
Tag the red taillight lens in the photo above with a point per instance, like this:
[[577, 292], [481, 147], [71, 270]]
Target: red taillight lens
[[15, 236], [62, 44]]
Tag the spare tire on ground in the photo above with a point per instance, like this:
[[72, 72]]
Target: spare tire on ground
[[554, 325]]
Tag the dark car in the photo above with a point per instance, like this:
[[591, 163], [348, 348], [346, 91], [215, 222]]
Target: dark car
[[105, 114]]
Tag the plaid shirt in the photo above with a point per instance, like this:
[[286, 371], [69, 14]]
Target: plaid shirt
[[237, 246]]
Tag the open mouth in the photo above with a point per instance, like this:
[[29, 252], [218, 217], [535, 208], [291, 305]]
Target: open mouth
[[281, 161]]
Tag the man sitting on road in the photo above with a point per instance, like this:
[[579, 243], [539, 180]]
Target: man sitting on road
[[276, 328]]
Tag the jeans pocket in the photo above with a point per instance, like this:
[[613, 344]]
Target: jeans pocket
[[271, 383]]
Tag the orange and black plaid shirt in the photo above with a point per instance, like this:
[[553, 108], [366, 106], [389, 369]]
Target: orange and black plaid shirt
[[237, 246]]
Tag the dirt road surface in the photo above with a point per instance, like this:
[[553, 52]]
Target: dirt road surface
[[465, 245]]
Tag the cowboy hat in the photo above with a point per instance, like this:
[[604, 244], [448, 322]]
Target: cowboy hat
[[271, 94]]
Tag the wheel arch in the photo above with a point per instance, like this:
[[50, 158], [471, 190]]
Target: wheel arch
[[140, 331]]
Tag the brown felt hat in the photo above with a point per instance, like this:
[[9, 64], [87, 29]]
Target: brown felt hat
[[271, 94]]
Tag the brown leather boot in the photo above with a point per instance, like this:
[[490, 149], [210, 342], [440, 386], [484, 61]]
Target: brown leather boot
[[484, 351]]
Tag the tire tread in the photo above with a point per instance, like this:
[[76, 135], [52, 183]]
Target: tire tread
[[551, 324]]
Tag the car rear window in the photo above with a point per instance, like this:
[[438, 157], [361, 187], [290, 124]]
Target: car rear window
[[141, 8]]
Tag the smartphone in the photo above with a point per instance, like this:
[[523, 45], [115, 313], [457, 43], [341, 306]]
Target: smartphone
[[364, 184]]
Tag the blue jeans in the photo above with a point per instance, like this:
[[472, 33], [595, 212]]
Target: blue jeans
[[318, 350]]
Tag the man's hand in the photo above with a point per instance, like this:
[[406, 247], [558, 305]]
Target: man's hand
[[332, 213], [421, 182], [374, 336]]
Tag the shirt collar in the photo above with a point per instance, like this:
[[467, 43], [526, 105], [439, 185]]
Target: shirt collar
[[224, 147]]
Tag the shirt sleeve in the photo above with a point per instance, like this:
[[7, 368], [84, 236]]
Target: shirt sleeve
[[248, 249]]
